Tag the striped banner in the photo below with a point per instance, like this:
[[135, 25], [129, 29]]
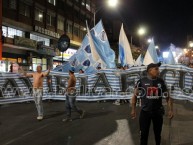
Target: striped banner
[[179, 79]]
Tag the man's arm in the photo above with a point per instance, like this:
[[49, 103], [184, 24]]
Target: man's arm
[[24, 73], [46, 73], [169, 101], [28, 74], [133, 103]]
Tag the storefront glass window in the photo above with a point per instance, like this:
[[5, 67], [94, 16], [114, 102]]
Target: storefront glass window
[[4, 29], [46, 41], [11, 32], [38, 61]]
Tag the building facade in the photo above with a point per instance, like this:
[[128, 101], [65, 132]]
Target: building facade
[[31, 29]]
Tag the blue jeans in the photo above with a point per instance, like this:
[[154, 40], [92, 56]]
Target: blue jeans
[[37, 94], [70, 105]]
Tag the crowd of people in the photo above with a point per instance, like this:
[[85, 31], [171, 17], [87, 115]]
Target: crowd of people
[[150, 88]]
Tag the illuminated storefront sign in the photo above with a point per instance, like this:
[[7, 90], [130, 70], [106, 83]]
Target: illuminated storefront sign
[[46, 32]]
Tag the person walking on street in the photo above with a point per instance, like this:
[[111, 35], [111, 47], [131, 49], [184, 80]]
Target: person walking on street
[[71, 97], [151, 89], [38, 88]]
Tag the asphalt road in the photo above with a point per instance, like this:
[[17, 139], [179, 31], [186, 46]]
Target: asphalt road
[[104, 124]]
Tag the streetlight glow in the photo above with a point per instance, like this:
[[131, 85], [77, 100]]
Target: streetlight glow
[[149, 40], [156, 47], [191, 44], [141, 31], [112, 3]]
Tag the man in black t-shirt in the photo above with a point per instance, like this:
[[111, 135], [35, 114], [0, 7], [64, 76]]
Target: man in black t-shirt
[[151, 89]]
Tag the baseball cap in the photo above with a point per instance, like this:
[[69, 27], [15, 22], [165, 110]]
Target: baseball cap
[[72, 69], [152, 65]]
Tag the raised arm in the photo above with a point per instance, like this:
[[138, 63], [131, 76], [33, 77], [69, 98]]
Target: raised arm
[[46, 73]]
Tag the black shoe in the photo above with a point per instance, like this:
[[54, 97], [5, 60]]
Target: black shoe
[[82, 114], [66, 119]]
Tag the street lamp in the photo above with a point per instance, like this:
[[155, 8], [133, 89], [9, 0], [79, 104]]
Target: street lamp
[[110, 3], [141, 31], [191, 44]]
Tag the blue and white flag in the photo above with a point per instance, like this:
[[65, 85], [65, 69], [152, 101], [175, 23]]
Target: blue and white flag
[[138, 62], [170, 59], [125, 54], [151, 54], [99, 43], [83, 58]]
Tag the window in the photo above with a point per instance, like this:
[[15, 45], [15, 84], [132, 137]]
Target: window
[[82, 32], [39, 38], [83, 2], [69, 2], [93, 7], [76, 30], [39, 15], [24, 9], [12, 4], [88, 5], [4, 29], [11, 32], [69, 27], [52, 2], [50, 19], [60, 23], [44, 63]]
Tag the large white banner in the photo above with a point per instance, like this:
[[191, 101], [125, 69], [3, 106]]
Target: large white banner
[[105, 85]]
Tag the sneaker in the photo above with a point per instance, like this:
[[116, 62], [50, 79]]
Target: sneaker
[[39, 117], [82, 114], [117, 102], [66, 119]]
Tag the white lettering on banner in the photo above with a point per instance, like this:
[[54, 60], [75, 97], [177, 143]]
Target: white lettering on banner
[[47, 32], [153, 97]]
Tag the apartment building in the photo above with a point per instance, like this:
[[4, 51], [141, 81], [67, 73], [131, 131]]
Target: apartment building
[[31, 29]]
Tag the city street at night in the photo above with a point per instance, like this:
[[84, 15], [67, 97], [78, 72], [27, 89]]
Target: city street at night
[[104, 124]]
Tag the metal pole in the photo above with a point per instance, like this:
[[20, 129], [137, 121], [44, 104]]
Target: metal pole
[[131, 41], [1, 45], [94, 17], [62, 57]]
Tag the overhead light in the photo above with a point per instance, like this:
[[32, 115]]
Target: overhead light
[[40, 15]]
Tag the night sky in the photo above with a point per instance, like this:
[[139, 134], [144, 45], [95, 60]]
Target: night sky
[[167, 21]]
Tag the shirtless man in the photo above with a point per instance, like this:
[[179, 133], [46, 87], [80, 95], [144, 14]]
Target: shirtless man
[[38, 88], [71, 97]]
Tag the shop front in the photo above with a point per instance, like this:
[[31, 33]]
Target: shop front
[[17, 50], [57, 60], [44, 57]]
